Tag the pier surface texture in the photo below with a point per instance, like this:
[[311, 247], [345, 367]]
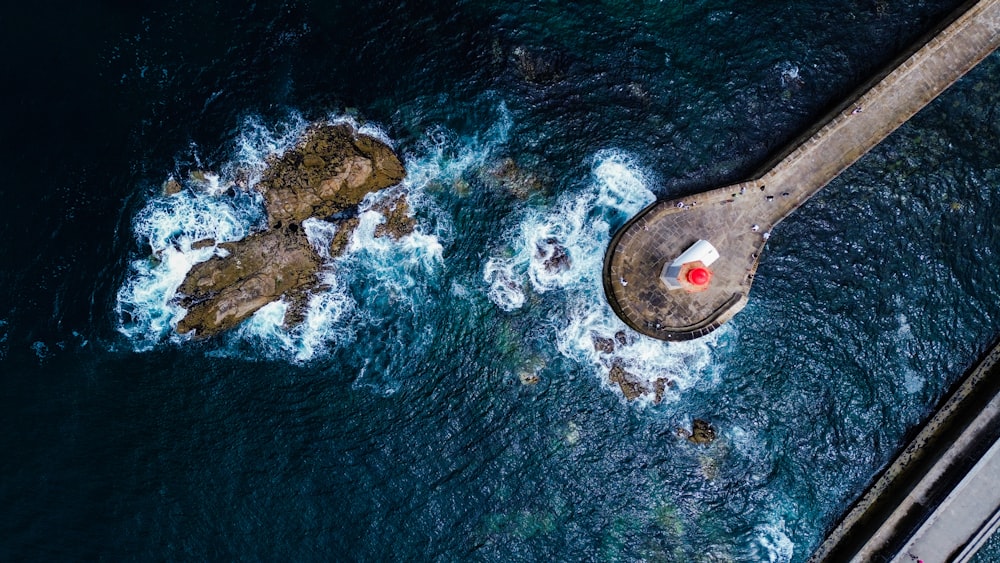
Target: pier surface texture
[[738, 219]]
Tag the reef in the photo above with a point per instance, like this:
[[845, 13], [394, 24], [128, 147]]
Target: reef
[[325, 176], [631, 385]]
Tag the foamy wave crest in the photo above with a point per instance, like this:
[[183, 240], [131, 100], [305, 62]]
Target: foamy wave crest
[[560, 249], [170, 226], [595, 336], [324, 325], [777, 545], [396, 265], [443, 158], [258, 142], [563, 247], [506, 290]]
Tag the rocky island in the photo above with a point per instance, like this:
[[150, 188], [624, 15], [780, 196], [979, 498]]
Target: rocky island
[[325, 176]]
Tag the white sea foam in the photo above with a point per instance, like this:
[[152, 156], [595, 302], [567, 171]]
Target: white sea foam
[[320, 234], [169, 226], [776, 543], [323, 326], [681, 364], [578, 226], [905, 342], [506, 289], [790, 74], [396, 265], [443, 158]]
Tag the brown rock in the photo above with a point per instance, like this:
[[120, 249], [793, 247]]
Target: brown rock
[[331, 170], [659, 386], [630, 385], [621, 337], [398, 222], [203, 243], [701, 432], [603, 345], [221, 292], [553, 255], [343, 236], [172, 186]]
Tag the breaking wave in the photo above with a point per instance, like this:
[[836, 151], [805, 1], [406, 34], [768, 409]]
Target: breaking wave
[[223, 207], [560, 248]]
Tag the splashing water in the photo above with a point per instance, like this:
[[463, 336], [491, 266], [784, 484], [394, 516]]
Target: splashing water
[[397, 271], [561, 249]]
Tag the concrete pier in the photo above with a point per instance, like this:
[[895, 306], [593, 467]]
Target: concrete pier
[[938, 500], [738, 219]]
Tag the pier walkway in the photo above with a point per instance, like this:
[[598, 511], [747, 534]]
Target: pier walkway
[[737, 219]]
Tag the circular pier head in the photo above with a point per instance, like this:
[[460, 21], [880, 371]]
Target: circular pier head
[[681, 268]]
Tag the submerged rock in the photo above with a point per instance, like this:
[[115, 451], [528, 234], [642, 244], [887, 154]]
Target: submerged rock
[[330, 171], [528, 378], [701, 432], [507, 175], [540, 66]]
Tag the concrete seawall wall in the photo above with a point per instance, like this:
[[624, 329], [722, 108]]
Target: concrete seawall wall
[[905, 494]]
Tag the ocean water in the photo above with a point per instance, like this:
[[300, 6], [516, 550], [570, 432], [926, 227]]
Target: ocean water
[[393, 424]]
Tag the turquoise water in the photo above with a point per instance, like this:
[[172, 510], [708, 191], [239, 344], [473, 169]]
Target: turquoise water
[[393, 424]]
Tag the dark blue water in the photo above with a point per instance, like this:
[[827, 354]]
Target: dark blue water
[[395, 426]]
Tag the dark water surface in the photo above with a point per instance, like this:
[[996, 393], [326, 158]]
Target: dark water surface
[[394, 425]]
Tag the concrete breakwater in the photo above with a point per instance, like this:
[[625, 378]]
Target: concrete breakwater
[[737, 220], [951, 462]]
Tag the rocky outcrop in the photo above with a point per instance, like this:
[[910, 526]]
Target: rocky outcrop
[[398, 222], [343, 236], [221, 292], [701, 432], [172, 186], [632, 386], [332, 170], [328, 173], [553, 255], [540, 65]]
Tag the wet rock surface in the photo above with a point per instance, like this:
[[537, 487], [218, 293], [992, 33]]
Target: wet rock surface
[[398, 222], [221, 292], [634, 387], [331, 170], [701, 432], [553, 256]]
